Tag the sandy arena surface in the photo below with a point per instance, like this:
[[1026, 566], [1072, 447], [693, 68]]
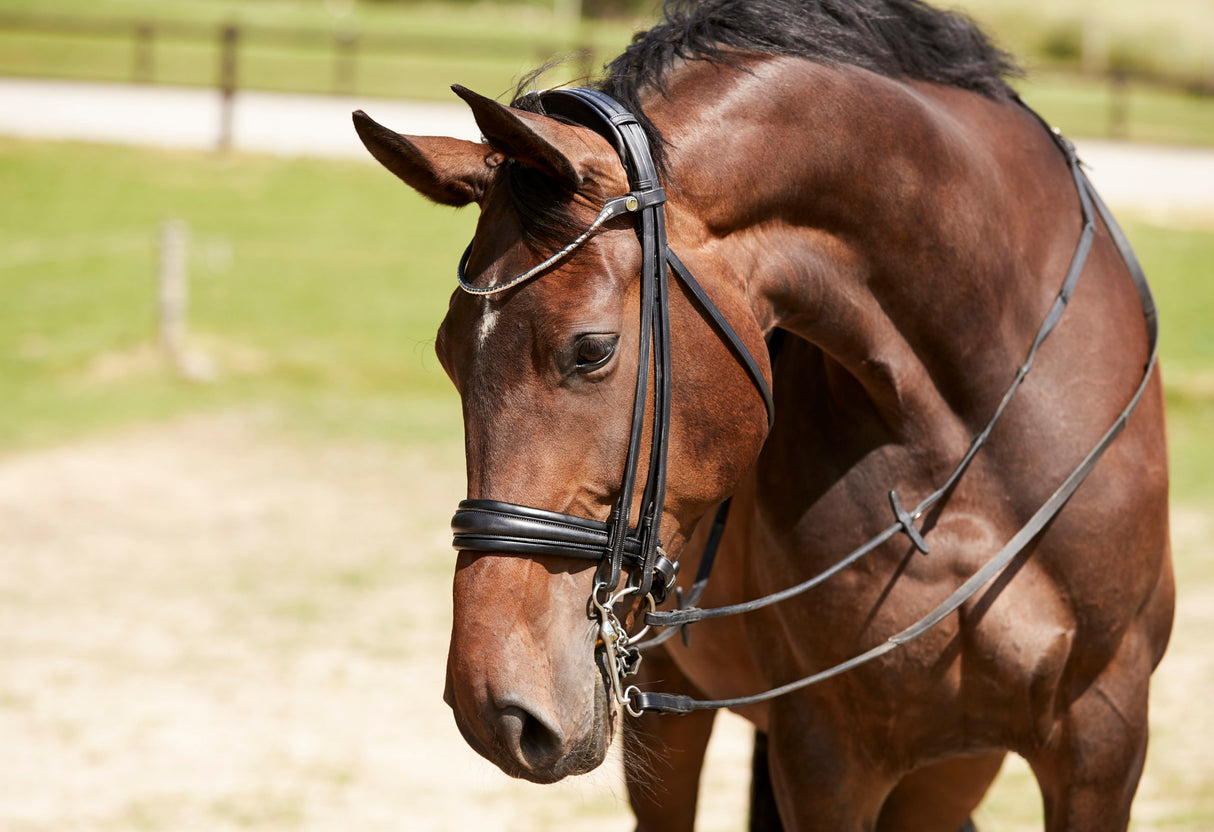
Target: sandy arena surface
[[207, 625], [204, 627]]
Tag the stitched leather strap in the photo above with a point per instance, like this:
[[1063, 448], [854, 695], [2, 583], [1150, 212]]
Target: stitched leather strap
[[493, 526]]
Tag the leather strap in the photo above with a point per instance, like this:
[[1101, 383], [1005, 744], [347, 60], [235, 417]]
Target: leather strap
[[727, 333], [707, 559], [672, 703], [493, 526], [903, 519], [507, 528], [655, 334]]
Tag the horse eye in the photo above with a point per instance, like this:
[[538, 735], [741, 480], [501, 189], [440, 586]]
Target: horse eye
[[593, 351]]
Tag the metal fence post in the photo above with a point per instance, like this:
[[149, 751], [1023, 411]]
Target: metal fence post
[[229, 40]]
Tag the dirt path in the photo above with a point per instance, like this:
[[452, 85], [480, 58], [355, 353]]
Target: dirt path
[[209, 626]]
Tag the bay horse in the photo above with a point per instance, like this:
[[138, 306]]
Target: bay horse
[[878, 229]]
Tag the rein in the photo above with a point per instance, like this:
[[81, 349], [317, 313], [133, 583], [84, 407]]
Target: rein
[[506, 528]]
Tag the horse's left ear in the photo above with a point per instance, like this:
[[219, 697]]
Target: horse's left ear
[[540, 142], [448, 171]]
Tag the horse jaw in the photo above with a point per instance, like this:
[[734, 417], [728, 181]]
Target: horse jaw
[[523, 682]]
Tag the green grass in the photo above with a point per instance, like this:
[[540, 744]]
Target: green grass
[[317, 286], [308, 287], [1179, 266], [518, 20]]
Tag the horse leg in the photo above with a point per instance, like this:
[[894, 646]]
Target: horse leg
[[1089, 766], [764, 816], [821, 780], [663, 755], [940, 796]]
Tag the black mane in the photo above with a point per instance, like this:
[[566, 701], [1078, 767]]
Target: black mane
[[896, 38]]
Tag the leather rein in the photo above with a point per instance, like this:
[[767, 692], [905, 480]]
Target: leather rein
[[512, 529]]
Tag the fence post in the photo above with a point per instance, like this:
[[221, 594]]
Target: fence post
[[1119, 104], [173, 301], [345, 57], [1094, 46], [144, 70], [567, 12], [172, 289], [229, 40]]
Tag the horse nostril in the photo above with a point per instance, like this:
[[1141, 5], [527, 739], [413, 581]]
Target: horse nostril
[[539, 743]]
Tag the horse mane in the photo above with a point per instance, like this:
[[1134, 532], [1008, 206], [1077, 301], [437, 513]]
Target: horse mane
[[895, 38]]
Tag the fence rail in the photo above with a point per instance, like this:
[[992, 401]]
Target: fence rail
[[343, 60], [345, 45]]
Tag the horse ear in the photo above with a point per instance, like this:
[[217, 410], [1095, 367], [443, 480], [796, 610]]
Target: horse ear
[[445, 170], [534, 140]]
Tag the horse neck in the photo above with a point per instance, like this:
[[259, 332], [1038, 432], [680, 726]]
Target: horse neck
[[857, 215]]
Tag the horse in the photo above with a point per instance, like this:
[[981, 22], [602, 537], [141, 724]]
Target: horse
[[804, 293]]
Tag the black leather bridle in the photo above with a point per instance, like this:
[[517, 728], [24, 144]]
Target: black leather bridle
[[508, 528], [511, 529], [498, 527]]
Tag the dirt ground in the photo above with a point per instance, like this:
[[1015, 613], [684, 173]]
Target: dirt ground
[[206, 626], [210, 625]]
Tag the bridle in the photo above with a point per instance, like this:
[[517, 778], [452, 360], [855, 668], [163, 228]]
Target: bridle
[[512, 529], [508, 528]]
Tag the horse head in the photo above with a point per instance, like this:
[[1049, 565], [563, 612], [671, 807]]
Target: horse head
[[547, 373]]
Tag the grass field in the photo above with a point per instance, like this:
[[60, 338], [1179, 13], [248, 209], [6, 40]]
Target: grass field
[[309, 289], [314, 297], [1084, 107], [304, 286]]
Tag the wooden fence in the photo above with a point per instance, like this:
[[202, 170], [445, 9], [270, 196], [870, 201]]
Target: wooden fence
[[346, 47], [230, 47]]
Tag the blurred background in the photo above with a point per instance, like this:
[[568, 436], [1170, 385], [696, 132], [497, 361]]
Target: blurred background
[[228, 455]]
